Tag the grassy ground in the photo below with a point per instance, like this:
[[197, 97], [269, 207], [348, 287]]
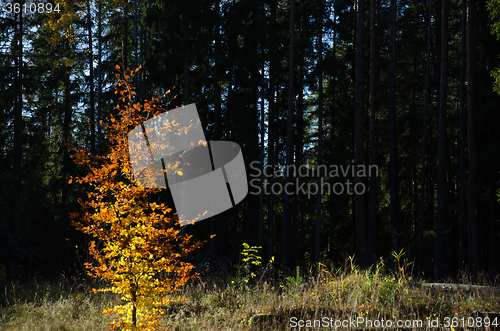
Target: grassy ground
[[243, 302]]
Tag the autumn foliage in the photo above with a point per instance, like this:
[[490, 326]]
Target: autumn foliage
[[140, 245]]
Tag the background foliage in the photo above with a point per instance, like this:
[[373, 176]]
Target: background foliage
[[232, 59]]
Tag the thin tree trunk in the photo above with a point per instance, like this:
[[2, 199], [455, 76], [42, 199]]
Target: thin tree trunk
[[134, 307], [297, 226], [471, 87], [135, 34], [393, 149], [359, 208], [91, 79], [373, 150], [65, 162], [125, 36], [18, 126], [137, 82], [424, 137], [462, 201], [317, 242], [261, 165], [441, 189], [289, 140], [493, 255], [99, 77], [262, 130], [186, 84], [492, 188], [272, 128], [142, 36], [186, 56], [217, 108], [296, 210]]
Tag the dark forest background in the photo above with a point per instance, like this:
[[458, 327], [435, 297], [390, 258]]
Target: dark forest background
[[404, 85]]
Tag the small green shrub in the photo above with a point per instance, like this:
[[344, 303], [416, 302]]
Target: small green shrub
[[249, 257], [294, 282]]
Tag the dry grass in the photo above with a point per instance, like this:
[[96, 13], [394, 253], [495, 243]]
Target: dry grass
[[62, 305], [217, 302], [342, 294]]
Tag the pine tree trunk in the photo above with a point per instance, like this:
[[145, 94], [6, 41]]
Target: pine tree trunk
[[99, 77], [424, 138], [471, 87], [359, 208], [493, 256], [373, 151], [441, 189], [91, 80], [18, 126], [217, 108], [393, 150], [272, 129], [186, 65], [462, 201], [317, 241], [136, 53], [289, 140], [125, 35]]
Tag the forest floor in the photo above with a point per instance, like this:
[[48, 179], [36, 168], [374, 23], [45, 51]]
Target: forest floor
[[342, 298]]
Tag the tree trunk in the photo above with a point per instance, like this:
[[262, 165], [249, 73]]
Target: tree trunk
[[262, 129], [272, 129], [317, 242], [261, 165], [393, 149], [66, 161], [359, 208], [91, 80], [424, 137], [18, 126], [136, 52], [217, 109], [140, 56], [373, 152], [125, 36], [134, 307], [289, 140], [471, 91], [493, 256], [462, 201], [441, 189], [99, 77], [186, 65]]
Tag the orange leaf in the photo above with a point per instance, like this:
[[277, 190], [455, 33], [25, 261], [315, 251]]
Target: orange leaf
[[129, 228]]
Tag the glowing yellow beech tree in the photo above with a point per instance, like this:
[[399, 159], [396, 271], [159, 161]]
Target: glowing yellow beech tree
[[141, 244]]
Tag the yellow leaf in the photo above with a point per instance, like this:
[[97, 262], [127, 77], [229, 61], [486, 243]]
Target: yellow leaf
[[134, 244]]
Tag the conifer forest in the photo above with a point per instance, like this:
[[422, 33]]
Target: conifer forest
[[368, 128]]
